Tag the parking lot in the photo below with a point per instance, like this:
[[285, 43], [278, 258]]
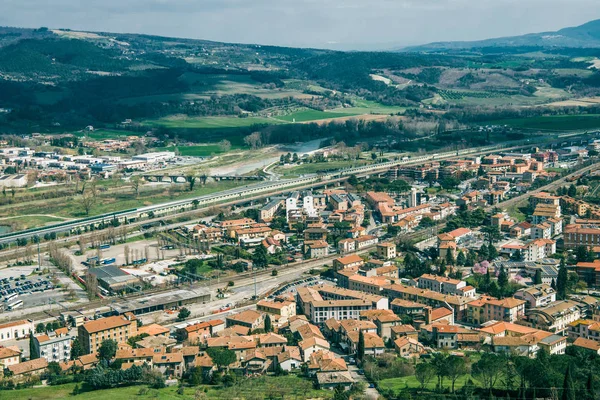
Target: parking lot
[[16, 289]]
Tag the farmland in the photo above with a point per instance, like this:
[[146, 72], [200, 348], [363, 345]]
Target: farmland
[[553, 122], [312, 115], [180, 121]]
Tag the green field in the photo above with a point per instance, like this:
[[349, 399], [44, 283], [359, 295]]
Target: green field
[[362, 106], [282, 387], [197, 151], [313, 115], [553, 122], [29, 221], [102, 134], [313, 168], [180, 121], [397, 385], [112, 201]]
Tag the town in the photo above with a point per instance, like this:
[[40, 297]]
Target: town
[[422, 276]]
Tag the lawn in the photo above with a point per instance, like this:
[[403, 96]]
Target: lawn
[[553, 122], [286, 387], [313, 115], [29, 221], [102, 134], [411, 382], [179, 121]]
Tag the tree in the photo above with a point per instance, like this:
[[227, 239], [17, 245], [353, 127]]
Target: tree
[[87, 201], [590, 387], [502, 279], [32, 353], [449, 257], [568, 392], [460, 259], [184, 313], [107, 350], [455, 368], [488, 369], [516, 256], [561, 282], [221, 357], [40, 328], [537, 279], [492, 252], [76, 349], [260, 258], [253, 140], [136, 182], [295, 158], [360, 350], [553, 284], [268, 324], [191, 180], [439, 362], [572, 192], [424, 372], [492, 234], [224, 145]]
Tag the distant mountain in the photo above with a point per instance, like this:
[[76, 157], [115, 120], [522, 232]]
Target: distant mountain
[[583, 36]]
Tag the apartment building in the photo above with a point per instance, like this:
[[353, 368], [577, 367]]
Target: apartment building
[[541, 231], [386, 251], [284, 309], [578, 235], [118, 328], [584, 328], [537, 296], [487, 309], [430, 298], [350, 261], [320, 303], [555, 317], [445, 285], [53, 349]]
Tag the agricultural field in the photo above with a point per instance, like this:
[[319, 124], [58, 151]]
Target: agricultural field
[[312, 115], [180, 121], [206, 150], [103, 134], [362, 106], [553, 122], [282, 387]]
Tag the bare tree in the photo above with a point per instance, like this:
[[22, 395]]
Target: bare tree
[[127, 255], [224, 145], [87, 201], [136, 181], [147, 253], [82, 244], [91, 285], [253, 140]]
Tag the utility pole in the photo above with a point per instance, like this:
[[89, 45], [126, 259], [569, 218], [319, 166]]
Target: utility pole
[[254, 273]]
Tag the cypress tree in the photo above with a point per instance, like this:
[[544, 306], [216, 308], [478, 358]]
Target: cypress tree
[[360, 352], [568, 387]]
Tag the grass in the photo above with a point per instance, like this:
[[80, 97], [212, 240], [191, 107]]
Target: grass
[[286, 387], [313, 115], [313, 168], [26, 222], [553, 122], [197, 151], [398, 385], [113, 201], [362, 106], [102, 134], [180, 121]]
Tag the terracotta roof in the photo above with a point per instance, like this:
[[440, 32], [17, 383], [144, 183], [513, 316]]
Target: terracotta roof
[[439, 313], [153, 330], [28, 366], [61, 331], [6, 352], [167, 358], [271, 338], [352, 258], [404, 329], [312, 342], [14, 323], [135, 353], [187, 350], [106, 323], [88, 359], [247, 317], [204, 361], [585, 343]]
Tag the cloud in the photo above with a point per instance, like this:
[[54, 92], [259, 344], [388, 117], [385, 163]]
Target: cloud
[[317, 23]]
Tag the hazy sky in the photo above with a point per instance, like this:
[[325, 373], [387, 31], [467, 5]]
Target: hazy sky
[[343, 24]]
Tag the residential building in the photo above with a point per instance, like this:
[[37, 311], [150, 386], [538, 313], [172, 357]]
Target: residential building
[[352, 260], [93, 333], [555, 317], [9, 356], [249, 319], [53, 349], [386, 251], [537, 296]]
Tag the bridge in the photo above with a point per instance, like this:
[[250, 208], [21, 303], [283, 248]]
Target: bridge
[[218, 178], [165, 178]]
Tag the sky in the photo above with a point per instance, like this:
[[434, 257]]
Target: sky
[[337, 24]]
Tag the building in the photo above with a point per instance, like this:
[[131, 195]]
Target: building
[[284, 309], [441, 284], [350, 261], [577, 235], [555, 317], [487, 309], [249, 319], [53, 349], [386, 251], [317, 249], [118, 328], [9, 356], [16, 329], [537, 296]]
